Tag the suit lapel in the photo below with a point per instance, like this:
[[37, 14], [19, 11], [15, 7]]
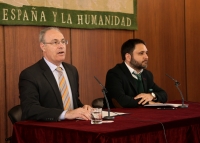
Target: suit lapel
[[51, 79], [129, 76]]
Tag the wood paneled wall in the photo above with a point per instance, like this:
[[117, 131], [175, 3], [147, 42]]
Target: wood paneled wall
[[169, 28], [192, 35], [161, 25], [93, 53], [3, 109]]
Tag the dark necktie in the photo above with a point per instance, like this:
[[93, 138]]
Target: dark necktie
[[140, 84]]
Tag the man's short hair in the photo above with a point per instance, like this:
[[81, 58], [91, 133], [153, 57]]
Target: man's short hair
[[129, 46], [43, 32]]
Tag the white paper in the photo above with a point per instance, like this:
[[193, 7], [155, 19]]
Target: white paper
[[165, 105], [110, 121], [105, 113]]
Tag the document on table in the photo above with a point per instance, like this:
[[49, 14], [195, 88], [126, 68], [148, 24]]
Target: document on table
[[105, 113], [170, 105]]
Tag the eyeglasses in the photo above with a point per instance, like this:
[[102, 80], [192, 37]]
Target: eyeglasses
[[56, 42]]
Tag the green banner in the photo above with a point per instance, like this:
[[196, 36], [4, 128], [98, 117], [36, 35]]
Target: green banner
[[48, 16]]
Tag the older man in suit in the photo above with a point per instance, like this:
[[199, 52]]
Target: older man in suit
[[129, 84], [49, 89]]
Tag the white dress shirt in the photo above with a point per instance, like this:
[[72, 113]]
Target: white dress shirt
[[132, 70]]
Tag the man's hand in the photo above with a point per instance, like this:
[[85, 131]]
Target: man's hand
[[145, 98], [83, 113]]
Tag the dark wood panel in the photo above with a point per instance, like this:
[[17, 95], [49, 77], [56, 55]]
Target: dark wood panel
[[22, 50], [93, 53], [2, 88], [193, 49], [161, 26]]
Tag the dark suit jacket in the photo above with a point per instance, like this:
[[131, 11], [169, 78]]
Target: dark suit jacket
[[40, 97], [122, 86]]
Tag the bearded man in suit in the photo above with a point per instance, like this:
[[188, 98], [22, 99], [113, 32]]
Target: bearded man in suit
[[130, 84]]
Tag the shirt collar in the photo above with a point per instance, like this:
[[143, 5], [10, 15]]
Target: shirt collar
[[52, 66]]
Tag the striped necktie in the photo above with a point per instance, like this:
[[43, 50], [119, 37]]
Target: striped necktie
[[63, 89]]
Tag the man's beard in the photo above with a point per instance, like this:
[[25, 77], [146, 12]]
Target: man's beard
[[138, 66]]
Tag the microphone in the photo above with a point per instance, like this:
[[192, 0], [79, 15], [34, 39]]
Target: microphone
[[177, 84], [104, 93]]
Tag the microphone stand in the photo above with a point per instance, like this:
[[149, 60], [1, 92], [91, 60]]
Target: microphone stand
[[104, 93], [177, 84]]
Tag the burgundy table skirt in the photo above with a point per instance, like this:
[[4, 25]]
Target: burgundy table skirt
[[142, 125]]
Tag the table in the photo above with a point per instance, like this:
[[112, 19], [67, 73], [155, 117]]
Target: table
[[142, 125]]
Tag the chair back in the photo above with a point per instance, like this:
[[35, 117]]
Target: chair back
[[15, 114], [97, 103]]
